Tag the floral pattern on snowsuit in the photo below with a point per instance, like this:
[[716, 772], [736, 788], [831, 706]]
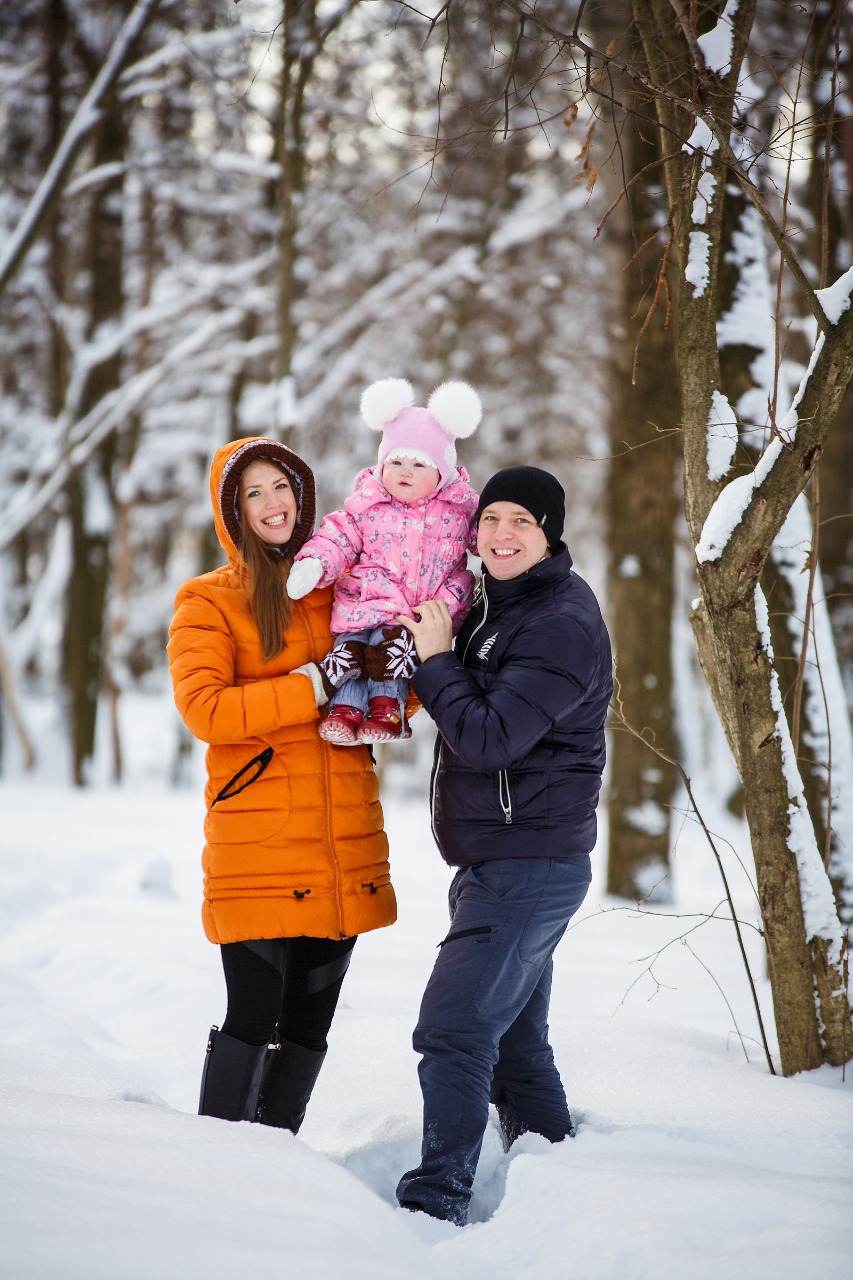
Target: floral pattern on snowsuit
[[386, 556]]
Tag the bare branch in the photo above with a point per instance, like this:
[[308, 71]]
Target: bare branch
[[511, 72], [85, 119], [675, 764]]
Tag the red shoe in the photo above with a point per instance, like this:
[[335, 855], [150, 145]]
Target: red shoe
[[341, 726], [383, 722]]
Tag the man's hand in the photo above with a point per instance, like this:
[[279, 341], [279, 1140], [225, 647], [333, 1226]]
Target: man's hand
[[433, 631]]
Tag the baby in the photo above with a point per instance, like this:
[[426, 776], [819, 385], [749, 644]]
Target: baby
[[401, 538]]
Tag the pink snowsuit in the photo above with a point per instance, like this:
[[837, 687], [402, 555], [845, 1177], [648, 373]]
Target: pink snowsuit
[[386, 556]]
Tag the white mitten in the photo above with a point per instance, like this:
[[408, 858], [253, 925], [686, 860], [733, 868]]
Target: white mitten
[[303, 577]]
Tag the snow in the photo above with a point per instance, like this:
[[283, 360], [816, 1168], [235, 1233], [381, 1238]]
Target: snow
[[827, 732], [696, 271], [701, 139], [749, 321], [820, 915], [702, 201], [726, 513], [835, 300], [690, 1157], [722, 437], [716, 44], [648, 817]]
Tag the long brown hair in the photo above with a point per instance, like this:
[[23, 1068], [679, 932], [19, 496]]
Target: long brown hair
[[269, 604]]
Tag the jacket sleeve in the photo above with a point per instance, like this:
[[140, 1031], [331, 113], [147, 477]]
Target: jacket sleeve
[[337, 545], [201, 659], [544, 676], [457, 592]]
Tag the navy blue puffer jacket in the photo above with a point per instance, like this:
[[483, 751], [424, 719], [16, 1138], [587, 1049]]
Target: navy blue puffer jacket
[[520, 708]]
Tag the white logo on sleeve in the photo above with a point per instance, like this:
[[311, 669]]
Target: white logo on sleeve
[[483, 651]]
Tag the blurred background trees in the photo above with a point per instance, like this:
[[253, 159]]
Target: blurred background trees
[[281, 200], [255, 228]]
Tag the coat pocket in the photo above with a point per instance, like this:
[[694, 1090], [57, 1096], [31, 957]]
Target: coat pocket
[[252, 804], [244, 777]]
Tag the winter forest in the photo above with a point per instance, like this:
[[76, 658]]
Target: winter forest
[[630, 227]]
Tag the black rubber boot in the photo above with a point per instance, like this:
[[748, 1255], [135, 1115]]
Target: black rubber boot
[[288, 1085], [231, 1079]]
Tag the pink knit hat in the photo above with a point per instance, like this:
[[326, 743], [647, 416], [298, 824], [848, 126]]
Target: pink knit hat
[[429, 435]]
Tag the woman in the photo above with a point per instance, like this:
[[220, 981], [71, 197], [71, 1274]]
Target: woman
[[295, 860]]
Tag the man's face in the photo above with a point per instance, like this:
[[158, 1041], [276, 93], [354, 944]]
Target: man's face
[[509, 541]]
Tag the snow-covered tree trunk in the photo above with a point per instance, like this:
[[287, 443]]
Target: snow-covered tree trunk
[[733, 523], [815, 703]]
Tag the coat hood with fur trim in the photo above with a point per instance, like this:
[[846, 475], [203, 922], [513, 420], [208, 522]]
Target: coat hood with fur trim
[[294, 840], [228, 465]]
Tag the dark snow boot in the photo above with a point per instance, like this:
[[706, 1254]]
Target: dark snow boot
[[231, 1079], [288, 1084]]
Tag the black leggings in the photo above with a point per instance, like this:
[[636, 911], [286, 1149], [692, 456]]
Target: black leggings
[[286, 984]]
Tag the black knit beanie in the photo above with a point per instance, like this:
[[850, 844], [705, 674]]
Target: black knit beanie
[[537, 491]]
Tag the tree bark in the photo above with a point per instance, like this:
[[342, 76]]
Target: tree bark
[[830, 203], [741, 694], [303, 35], [90, 493], [644, 446]]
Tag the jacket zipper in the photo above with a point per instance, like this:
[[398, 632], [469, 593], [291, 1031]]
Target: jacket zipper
[[432, 786], [327, 776], [503, 777], [504, 795], [482, 620]]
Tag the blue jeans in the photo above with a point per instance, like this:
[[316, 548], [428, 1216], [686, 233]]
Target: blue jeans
[[483, 1025], [358, 692]]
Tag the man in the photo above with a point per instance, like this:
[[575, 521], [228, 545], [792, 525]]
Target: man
[[520, 708]]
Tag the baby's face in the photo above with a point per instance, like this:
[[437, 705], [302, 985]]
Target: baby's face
[[408, 479]]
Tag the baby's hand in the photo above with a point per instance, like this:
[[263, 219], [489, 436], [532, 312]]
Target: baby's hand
[[303, 577]]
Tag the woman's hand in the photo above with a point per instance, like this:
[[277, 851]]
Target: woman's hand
[[433, 632]]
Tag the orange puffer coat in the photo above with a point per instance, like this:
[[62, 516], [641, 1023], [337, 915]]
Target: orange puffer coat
[[294, 838]]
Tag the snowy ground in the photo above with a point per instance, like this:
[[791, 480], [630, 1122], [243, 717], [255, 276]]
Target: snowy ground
[[689, 1159]]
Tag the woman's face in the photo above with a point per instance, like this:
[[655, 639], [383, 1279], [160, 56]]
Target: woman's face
[[268, 503]]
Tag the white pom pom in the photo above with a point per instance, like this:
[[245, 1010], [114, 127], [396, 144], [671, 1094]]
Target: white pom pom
[[383, 400], [457, 408]]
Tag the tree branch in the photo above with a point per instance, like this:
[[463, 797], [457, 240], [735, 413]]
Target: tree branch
[[85, 119], [747, 549]]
